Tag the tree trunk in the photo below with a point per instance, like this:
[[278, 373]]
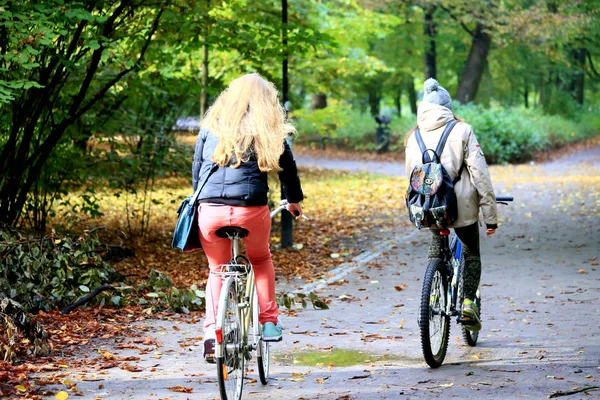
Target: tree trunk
[[430, 52], [412, 95], [576, 85], [475, 65], [374, 98], [318, 101], [398, 100], [204, 92], [526, 97]]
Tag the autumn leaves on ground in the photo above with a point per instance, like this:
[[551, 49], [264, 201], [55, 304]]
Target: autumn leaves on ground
[[349, 213]]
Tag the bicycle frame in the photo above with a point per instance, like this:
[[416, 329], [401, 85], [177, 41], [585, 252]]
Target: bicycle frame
[[451, 250], [248, 313]]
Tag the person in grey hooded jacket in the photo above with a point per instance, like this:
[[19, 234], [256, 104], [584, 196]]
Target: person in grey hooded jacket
[[474, 191]]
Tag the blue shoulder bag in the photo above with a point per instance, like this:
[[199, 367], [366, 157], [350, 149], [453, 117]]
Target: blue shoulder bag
[[186, 236]]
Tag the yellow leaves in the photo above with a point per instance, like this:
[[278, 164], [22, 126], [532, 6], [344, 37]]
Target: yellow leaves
[[61, 395], [21, 388], [401, 325], [107, 355]]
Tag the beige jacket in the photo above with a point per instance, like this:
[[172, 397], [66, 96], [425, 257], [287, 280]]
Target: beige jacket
[[474, 190]]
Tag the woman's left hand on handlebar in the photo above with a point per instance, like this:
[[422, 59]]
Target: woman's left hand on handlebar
[[295, 209]]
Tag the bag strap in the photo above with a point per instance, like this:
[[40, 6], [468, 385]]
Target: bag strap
[[439, 148], [194, 198], [442, 144], [420, 140], [425, 158], [444, 138], [458, 176]]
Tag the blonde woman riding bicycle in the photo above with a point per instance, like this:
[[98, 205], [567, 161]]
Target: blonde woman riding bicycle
[[242, 138]]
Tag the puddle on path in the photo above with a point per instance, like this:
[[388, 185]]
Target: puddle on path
[[336, 357]]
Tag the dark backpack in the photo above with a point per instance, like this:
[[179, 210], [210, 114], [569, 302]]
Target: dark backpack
[[430, 197]]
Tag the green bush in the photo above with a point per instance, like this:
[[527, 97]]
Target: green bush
[[44, 273], [516, 134], [349, 128], [506, 134]]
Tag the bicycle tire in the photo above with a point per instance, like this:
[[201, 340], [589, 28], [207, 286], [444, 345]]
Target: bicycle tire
[[263, 351], [230, 362], [470, 337], [433, 300], [264, 361]]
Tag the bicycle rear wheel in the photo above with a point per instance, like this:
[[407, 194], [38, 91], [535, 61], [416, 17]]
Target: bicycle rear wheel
[[469, 336], [229, 353], [434, 323], [263, 351]]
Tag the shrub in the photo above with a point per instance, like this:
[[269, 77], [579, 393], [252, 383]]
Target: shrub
[[46, 272], [349, 127], [506, 134], [516, 134]]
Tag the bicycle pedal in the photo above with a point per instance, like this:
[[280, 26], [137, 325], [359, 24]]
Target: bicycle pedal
[[210, 358], [467, 321], [273, 340]]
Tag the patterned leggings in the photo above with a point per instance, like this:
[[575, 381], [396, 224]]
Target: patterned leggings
[[469, 236]]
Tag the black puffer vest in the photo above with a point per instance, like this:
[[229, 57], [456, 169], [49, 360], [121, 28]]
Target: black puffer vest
[[245, 185]]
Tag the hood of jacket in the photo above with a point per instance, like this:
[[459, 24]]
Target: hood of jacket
[[432, 116]]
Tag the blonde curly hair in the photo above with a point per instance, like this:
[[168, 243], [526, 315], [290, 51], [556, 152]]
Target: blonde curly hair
[[247, 117]]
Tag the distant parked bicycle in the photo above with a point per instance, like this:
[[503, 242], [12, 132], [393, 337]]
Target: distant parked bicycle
[[238, 332], [442, 297]]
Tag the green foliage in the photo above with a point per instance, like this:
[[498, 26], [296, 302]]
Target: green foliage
[[516, 134], [44, 273], [289, 300], [163, 294], [351, 128]]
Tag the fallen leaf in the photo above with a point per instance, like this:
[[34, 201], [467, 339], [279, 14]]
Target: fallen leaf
[[61, 396], [401, 287], [180, 389]]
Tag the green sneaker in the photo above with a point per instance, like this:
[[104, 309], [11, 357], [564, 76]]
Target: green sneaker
[[272, 332], [470, 312]]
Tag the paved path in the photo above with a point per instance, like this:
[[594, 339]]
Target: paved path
[[385, 168], [541, 314]]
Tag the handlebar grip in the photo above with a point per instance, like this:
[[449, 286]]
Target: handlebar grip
[[504, 198]]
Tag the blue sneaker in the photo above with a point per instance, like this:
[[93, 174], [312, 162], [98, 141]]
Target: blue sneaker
[[272, 332]]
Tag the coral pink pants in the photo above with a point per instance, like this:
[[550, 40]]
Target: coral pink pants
[[218, 251]]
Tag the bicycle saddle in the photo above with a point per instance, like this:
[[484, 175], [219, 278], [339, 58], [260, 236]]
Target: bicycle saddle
[[226, 232]]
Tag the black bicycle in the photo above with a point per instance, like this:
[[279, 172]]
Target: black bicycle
[[442, 298]]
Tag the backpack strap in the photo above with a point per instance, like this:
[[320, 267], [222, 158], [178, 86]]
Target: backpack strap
[[425, 157], [457, 177], [420, 140], [444, 138], [442, 144]]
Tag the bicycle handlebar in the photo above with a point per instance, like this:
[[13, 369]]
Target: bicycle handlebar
[[283, 206]]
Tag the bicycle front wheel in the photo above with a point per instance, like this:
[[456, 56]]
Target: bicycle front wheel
[[263, 351], [434, 322], [229, 353], [469, 336]]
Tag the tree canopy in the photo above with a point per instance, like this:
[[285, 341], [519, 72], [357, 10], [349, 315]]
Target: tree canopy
[[79, 72]]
